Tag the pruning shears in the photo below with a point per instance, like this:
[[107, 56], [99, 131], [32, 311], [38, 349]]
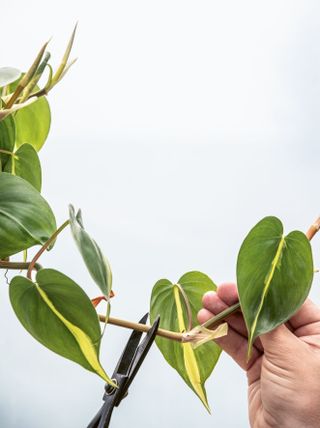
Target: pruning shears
[[128, 365]]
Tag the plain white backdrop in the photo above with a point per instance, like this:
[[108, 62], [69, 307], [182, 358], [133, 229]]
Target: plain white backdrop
[[181, 125]]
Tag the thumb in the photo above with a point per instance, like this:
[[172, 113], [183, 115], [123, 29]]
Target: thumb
[[279, 344]]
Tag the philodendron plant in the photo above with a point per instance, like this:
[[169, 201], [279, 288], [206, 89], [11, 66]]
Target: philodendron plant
[[274, 271]]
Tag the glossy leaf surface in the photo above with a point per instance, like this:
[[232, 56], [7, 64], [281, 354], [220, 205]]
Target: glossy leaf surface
[[274, 274], [33, 124], [7, 139], [59, 314], [97, 264], [193, 365], [26, 165], [26, 219], [8, 75]]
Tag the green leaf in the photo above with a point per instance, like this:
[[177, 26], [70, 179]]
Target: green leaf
[[98, 266], [5, 112], [33, 124], [7, 138], [59, 314], [274, 274], [8, 75], [26, 165], [193, 365], [26, 219]]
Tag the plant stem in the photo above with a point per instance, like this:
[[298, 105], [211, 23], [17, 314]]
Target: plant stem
[[7, 152], [142, 327], [211, 322], [44, 247], [18, 265], [313, 229]]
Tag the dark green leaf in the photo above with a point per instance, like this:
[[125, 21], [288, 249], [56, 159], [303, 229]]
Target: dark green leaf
[[274, 274], [7, 138], [26, 219], [26, 165], [98, 266], [59, 314], [193, 365], [33, 124]]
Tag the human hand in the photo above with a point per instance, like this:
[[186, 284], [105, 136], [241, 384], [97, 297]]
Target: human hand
[[284, 370]]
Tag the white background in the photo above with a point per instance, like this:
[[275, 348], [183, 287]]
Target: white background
[[181, 125]]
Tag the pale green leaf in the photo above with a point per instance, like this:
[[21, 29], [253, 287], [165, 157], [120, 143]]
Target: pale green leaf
[[33, 124]]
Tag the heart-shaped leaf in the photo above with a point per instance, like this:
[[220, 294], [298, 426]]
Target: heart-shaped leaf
[[59, 314], [26, 219], [16, 107], [33, 124], [26, 164], [8, 75], [167, 300], [7, 139], [274, 274], [97, 264]]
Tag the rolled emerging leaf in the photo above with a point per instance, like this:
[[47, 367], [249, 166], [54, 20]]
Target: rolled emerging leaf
[[26, 164], [26, 219], [59, 314], [193, 365], [64, 62], [97, 264], [23, 82], [274, 275]]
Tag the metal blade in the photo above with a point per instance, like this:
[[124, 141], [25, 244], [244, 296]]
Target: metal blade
[[127, 357]]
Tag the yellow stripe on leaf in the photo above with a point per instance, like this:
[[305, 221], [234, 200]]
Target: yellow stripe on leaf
[[190, 361], [267, 282], [83, 340]]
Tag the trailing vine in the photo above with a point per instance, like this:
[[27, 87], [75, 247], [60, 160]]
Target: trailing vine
[[274, 271]]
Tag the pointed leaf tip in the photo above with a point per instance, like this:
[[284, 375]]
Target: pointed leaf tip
[[59, 315]]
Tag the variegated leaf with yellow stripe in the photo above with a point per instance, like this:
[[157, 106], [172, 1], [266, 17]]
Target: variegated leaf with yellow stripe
[[59, 314], [171, 301], [274, 275]]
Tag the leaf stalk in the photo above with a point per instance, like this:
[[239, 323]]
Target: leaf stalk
[[44, 247], [18, 265]]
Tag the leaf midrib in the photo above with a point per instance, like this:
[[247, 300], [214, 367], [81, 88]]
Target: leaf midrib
[[267, 284], [78, 334], [14, 219]]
